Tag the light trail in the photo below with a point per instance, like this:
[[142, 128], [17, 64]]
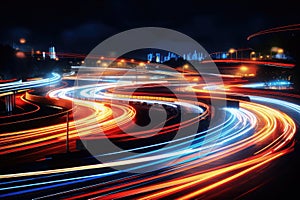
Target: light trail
[[252, 124], [291, 27], [252, 137], [255, 62], [19, 85], [35, 108], [194, 163]]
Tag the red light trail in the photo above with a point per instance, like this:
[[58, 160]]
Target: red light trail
[[252, 138], [291, 27]]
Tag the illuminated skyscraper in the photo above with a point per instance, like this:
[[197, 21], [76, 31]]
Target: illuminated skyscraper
[[150, 57], [52, 54], [157, 58]]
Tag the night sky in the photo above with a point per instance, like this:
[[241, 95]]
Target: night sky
[[78, 27]]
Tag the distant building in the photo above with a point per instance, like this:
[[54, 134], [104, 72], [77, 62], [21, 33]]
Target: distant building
[[161, 57], [219, 55], [195, 56], [164, 57], [150, 57], [157, 58], [52, 53]]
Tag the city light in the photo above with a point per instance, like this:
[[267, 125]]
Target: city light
[[252, 55], [231, 51], [149, 100], [22, 40], [279, 50], [20, 54], [244, 68]]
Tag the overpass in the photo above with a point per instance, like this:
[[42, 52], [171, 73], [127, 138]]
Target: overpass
[[9, 90]]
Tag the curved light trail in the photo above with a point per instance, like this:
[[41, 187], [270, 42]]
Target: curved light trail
[[19, 85], [252, 137], [23, 103], [291, 27]]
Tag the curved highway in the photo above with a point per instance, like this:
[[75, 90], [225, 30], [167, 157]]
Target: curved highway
[[206, 163]]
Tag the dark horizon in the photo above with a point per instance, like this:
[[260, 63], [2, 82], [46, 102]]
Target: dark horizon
[[79, 27]]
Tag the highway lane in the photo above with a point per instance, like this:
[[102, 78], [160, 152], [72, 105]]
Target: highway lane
[[253, 137], [245, 144]]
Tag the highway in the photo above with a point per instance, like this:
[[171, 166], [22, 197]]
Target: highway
[[226, 158]]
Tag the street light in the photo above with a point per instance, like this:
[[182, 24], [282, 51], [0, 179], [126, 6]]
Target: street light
[[186, 66], [141, 64], [279, 50], [276, 50], [231, 51], [251, 54], [22, 40]]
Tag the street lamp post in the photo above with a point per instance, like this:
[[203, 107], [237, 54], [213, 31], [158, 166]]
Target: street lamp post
[[67, 135], [141, 64], [186, 66], [251, 54], [231, 51]]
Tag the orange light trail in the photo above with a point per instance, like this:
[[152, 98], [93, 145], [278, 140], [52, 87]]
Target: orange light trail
[[253, 136]]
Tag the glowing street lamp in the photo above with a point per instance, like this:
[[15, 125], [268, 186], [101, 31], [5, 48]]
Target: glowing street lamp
[[252, 54], [141, 64], [280, 51], [231, 51], [98, 62], [186, 66], [276, 50], [22, 40]]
